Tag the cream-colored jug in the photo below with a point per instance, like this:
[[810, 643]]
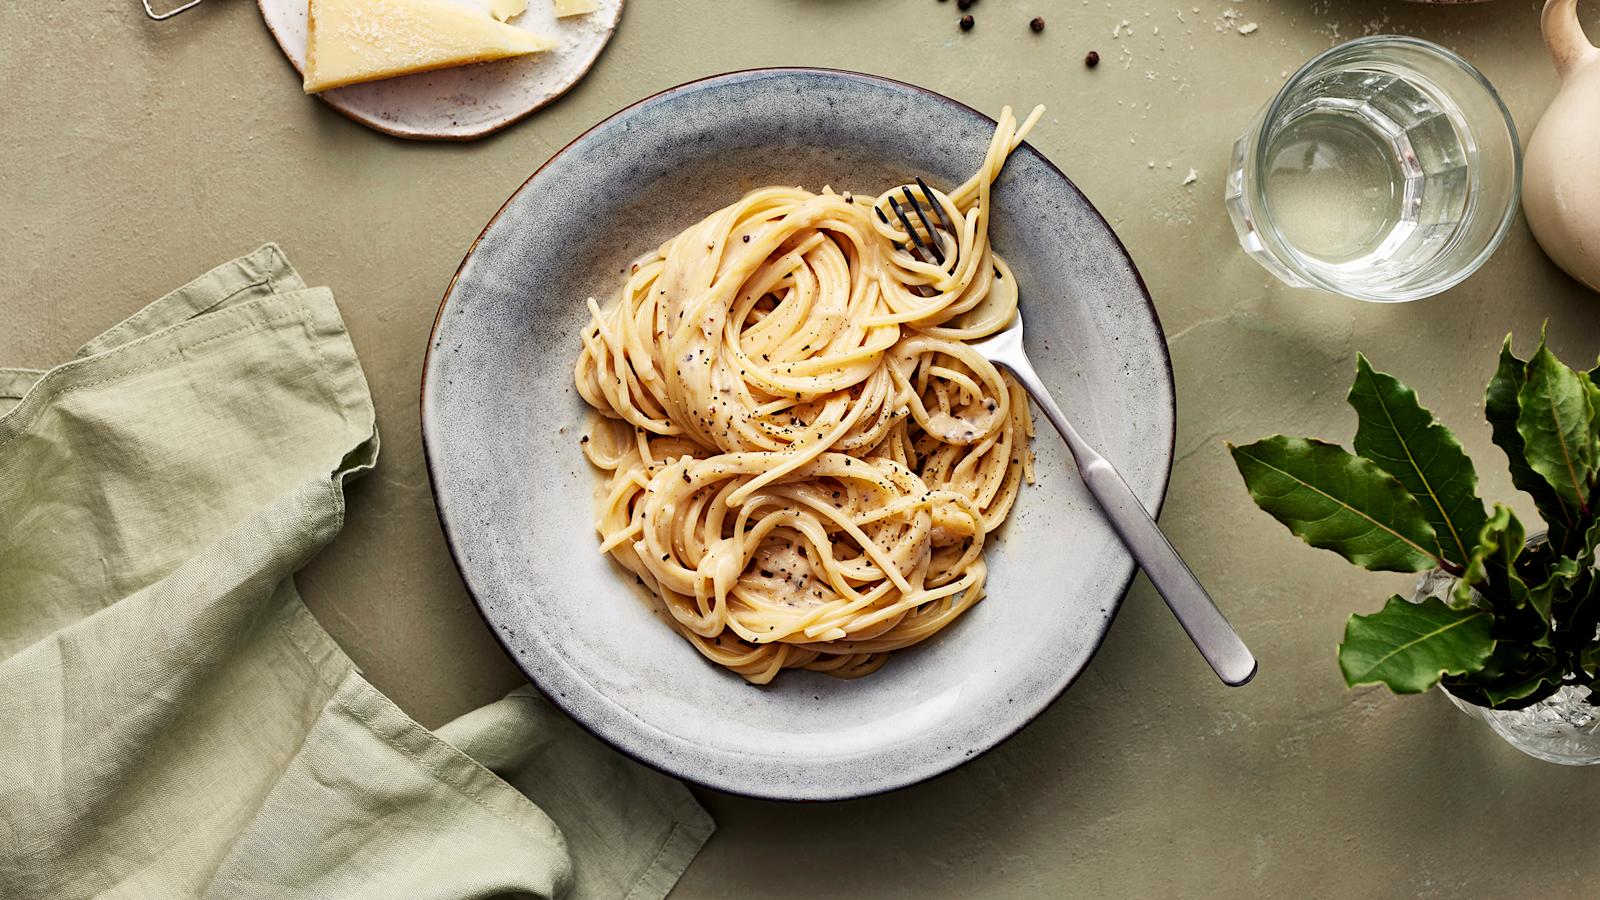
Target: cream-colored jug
[[1561, 184]]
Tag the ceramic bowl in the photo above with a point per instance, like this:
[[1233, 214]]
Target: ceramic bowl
[[501, 424]]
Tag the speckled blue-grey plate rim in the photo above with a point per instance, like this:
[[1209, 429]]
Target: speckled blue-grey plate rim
[[674, 764]]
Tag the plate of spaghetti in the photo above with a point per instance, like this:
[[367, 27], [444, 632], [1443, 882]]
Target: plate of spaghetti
[[719, 464]]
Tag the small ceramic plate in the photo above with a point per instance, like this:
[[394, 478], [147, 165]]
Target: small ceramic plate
[[467, 101], [501, 423]]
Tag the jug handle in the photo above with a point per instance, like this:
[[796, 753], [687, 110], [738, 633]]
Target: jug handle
[[1569, 46]]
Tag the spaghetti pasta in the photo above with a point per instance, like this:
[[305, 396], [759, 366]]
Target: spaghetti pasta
[[804, 456]]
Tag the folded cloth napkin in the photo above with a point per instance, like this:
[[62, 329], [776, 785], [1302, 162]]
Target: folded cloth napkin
[[174, 723]]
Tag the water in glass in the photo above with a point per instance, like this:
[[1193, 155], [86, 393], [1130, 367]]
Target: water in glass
[[1367, 174]]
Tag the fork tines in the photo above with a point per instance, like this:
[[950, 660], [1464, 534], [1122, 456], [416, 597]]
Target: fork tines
[[927, 249], [927, 226], [944, 218]]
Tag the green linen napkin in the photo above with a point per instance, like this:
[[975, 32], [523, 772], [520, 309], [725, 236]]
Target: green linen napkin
[[174, 723]]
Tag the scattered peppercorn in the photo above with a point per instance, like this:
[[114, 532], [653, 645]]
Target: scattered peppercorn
[[965, 4], [1037, 24], [1092, 60], [966, 23]]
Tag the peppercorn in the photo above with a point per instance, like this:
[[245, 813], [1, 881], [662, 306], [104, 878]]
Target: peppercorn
[[1092, 60], [966, 23], [965, 4], [1037, 24]]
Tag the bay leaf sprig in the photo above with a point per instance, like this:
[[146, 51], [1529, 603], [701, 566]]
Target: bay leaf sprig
[[1409, 645], [1503, 408], [1557, 424], [1401, 436], [1338, 501], [1522, 619]]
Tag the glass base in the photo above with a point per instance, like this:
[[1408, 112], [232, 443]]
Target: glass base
[[1562, 728]]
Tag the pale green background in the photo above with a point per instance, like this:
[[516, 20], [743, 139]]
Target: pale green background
[[121, 138]]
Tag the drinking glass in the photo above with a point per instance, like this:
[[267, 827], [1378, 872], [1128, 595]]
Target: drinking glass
[[1386, 169]]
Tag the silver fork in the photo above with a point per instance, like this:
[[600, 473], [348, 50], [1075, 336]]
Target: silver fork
[[1185, 596]]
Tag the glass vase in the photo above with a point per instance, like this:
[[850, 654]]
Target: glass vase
[[1562, 728]]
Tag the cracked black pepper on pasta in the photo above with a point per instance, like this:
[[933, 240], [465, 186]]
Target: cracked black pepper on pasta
[[803, 455]]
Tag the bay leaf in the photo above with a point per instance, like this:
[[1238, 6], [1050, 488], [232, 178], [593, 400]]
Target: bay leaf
[[1502, 408], [1492, 567], [1399, 434], [1408, 646], [1557, 427], [1338, 501]]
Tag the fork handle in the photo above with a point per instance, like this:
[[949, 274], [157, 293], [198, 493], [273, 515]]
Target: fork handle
[[1196, 612]]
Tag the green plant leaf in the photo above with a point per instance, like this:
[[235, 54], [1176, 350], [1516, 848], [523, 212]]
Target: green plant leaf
[[1524, 693], [1338, 501], [1501, 407], [1563, 575], [1594, 419], [1492, 569], [1515, 693], [1514, 676], [1408, 646], [1593, 388], [1557, 427], [1399, 434], [1510, 661], [1589, 660], [1578, 615]]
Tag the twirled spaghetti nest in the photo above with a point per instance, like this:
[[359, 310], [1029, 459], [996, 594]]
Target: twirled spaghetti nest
[[805, 455]]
